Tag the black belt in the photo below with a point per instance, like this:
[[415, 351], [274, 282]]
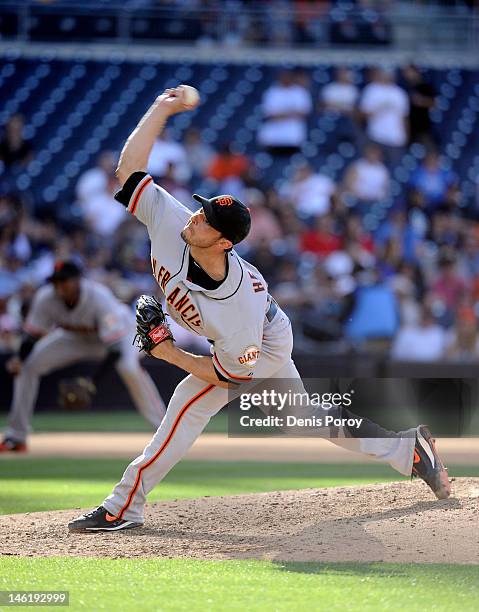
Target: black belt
[[272, 310]]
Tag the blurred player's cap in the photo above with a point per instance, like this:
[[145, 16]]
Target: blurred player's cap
[[63, 270], [227, 215]]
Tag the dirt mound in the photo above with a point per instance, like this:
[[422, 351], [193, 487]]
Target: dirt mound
[[386, 522]]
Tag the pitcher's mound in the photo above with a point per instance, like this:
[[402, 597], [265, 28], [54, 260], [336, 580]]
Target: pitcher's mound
[[399, 522]]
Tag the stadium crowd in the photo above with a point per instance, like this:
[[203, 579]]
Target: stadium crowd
[[409, 286]]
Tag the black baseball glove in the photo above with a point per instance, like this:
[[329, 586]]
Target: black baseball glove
[[151, 325], [76, 393]]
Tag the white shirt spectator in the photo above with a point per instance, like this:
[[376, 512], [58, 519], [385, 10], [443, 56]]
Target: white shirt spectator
[[166, 152], [91, 183], [419, 343], [310, 192], [387, 106], [103, 213], [96, 180], [340, 96], [278, 131], [367, 178], [370, 180]]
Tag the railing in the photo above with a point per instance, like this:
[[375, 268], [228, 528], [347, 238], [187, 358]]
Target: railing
[[402, 27]]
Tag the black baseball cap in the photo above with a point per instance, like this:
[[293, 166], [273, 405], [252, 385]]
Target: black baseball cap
[[63, 270], [227, 215]]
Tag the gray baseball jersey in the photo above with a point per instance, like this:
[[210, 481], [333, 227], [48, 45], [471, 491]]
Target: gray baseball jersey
[[98, 314], [231, 316]]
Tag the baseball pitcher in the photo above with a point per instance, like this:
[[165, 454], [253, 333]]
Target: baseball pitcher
[[213, 292], [72, 319]]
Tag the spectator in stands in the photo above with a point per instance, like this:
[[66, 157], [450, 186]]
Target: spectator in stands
[[95, 190], [277, 22], [389, 257], [265, 227], [358, 243], [468, 255], [231, 170], [407, 284], [375, 313], [310, 21], [421, 341], [198, 152], [98, 179], [421, 101], [463, 339], [339, 98], [385, 106], [167, 151], [228, 166], [176, 188], [341, 95], [286, 106], [432, 180], [449, 289], [16, 239], [15, 150], [15, 153], [309, 191], [323, 239], [262, 255], [399, 232], [287, 288], [446, 228], [291, 224], [367, 180], [328, 296], [13, 273]]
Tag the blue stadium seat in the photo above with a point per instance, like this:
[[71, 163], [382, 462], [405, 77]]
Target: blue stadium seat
[[87, 106]]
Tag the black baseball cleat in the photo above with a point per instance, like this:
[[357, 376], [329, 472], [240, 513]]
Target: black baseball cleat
[[427, 464], [100, 520], [9, 445]]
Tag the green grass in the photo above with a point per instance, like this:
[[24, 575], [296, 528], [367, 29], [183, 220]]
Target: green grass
[[177, 584], [121, 420], [29, 485]]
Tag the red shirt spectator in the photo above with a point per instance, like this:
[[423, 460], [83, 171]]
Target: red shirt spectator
[[322, 240]]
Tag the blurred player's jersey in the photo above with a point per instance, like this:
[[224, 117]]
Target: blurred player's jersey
[[98, 314]]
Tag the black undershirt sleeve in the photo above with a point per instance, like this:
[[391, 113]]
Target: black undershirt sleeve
[[124, 194]]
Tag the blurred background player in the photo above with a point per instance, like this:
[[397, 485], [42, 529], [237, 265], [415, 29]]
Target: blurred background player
[[74, 319]]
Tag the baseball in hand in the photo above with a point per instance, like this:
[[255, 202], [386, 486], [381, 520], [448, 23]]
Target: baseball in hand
[[191, 96]]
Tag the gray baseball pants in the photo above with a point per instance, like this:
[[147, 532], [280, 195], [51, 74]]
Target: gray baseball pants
[[194, 402], [61, 348]]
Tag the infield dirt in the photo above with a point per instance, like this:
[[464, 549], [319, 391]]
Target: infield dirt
[[397, 522]]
